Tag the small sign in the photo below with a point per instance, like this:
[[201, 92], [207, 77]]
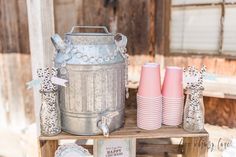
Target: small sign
[[115, 147]]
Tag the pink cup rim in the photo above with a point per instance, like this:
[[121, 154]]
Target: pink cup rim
[[174, 67], [149, 99], [151, 64], [145, 97]]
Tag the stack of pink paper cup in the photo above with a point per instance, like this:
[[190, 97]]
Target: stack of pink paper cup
[[173, 98], [149, 99]]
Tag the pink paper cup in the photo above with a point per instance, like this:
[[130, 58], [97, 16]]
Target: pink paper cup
[[150, 81], [172, 86]]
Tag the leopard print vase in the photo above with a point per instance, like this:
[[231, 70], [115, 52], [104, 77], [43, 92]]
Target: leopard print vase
[[50, 119]]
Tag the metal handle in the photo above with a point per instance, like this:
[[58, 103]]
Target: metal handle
[[92, 27], [120, 40]]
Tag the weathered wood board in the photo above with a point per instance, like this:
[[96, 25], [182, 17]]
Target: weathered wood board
[[15, 100]]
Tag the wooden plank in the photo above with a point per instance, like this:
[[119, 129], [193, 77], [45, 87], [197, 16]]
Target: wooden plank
[[23, 29], [163, 26], [71, 11], [14, 22], [195, 147], [16, 99], [133, 132], [152, 29], [41, 27], [1, 26], [81, 12], [167, 17], [48, 148], [160, 27], [16, 103], [97, 13], [134, 24], [10, 25]]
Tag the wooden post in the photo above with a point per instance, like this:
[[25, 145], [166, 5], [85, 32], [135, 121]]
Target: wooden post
[[195, 147], [48, 148], [41, 27]]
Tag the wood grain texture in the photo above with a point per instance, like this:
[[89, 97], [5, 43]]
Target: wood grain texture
[[195, 147], [14, 22], [133, 21], [73, 14], [163, 26], [220, 111], [82, 12], [48, 148], [16, 101], [152, 4]]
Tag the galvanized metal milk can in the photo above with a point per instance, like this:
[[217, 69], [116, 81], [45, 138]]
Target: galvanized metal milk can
[[95, 65]]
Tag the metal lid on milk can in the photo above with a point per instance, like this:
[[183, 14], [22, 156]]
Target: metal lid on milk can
[[90, 47]]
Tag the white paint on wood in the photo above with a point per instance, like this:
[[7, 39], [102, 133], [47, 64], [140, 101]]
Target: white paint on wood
[[41, 27]]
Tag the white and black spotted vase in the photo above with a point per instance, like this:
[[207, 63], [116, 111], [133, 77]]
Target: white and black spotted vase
[[50, 119]]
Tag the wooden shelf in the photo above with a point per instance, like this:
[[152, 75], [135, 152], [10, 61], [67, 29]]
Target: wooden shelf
[[130, 130], [133, 132]]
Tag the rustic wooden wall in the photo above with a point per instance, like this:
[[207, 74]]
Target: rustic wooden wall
[[16, 103]]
